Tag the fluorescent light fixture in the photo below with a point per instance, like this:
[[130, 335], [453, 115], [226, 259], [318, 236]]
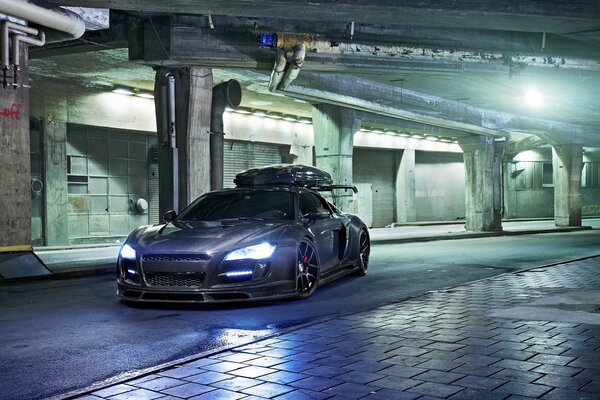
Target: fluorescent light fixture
[[123, 90], [274, 116], [289, 118], [145, 95], [127, 252], [305, 121], [533, 98], [242, 111], [377, 131], [432, 138], [259, 113], [256, 252]]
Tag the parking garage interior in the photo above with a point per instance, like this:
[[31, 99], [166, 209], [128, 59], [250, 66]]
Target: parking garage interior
[[474, 114]]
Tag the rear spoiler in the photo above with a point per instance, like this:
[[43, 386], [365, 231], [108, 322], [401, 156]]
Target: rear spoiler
[[330, 188]]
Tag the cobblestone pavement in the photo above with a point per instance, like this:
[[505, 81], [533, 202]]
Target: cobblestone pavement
[[452, 344]]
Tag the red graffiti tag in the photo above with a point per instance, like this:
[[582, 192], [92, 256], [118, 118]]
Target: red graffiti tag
[[14, 112]]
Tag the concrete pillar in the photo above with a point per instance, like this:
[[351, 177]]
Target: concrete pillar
[[193, 97], [334, 129], [15, 192], [482, 184], [567, 162], [406, 210], [56, 219]]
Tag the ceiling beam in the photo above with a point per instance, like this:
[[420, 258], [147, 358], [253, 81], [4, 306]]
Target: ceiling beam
[[561, 16]]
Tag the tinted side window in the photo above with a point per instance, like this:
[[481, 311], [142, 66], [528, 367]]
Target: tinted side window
[[308, 202]]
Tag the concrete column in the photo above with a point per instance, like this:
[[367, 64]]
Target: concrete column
[[56, 219], [334, 129], [406, 210], [482, 184], [567, 162], [193, 97], [15, 192]]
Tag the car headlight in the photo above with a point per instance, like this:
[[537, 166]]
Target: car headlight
[[127, 252], [256, 252]]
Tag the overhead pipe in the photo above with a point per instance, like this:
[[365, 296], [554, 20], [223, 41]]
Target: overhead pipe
[[62, 24], [172, 137], [294, 67], [16, 40], [278, 70], [226, 94]]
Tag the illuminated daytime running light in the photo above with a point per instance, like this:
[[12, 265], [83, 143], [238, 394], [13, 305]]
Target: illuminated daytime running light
[[257, 252], [238, 274], [127, 252]]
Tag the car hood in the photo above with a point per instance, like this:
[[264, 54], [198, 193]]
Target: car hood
[[204, 237]]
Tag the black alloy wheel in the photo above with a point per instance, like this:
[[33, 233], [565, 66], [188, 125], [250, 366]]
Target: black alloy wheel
[[364, 250], [307, 269]]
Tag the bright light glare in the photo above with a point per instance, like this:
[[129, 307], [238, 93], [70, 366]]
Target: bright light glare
[[534, 98], [257, 252], [127, 252], [123, 90]]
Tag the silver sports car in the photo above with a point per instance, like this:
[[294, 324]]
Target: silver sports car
[[273, 236]]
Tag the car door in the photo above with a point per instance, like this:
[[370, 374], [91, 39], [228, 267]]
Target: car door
[[326, 230]]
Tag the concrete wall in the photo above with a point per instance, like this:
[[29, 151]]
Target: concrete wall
[[439, 186], [526, 195], [377, 167]]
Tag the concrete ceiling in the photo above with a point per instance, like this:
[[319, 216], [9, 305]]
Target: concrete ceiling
[[464, 61]]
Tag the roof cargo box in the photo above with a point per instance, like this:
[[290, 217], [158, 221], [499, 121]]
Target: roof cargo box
[[283, 174]]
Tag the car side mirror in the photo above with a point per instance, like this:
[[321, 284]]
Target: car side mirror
[[169, 216], [319, 213]]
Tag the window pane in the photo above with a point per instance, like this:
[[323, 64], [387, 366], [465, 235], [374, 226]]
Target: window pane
[[547, 176]]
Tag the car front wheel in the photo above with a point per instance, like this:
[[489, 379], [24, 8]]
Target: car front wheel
[[364, 249], [307, 269]]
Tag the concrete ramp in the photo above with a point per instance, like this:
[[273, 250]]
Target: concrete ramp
[[22, 264]]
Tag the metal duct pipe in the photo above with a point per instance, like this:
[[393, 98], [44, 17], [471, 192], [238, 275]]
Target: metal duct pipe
[[66, 24], [226, 94], [278, 70], [172, 138], [5, 60], [294, 67]]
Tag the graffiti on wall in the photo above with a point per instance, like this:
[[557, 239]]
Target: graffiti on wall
[[14, 112]]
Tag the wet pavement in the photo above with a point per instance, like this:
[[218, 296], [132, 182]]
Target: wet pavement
[[520, 335]]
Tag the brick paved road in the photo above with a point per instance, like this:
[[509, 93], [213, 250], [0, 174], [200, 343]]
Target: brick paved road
[[454, 344]]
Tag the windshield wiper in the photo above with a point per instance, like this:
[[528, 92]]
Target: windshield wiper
[[242, 219]]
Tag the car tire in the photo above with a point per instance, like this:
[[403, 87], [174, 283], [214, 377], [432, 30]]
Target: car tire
[[307, 269], [364, 250]]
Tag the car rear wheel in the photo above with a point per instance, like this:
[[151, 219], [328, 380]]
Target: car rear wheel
[[307, 269], [364, 249]]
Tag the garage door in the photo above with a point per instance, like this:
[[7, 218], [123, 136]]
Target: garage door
[[238, 156]]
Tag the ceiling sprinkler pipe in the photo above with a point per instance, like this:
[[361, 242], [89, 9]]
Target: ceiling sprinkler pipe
[[4, 37], [294, 67], [278, 70], [226, 94], [66, 24]]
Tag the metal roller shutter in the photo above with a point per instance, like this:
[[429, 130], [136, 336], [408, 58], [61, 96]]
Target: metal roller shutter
[[238, 156]]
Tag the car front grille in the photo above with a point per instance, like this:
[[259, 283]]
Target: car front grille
[[175, 270], [178, 258], [190, 280]]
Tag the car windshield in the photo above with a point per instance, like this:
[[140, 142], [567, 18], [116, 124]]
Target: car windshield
[[261, 204]]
